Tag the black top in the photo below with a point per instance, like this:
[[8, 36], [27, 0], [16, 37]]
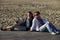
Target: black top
[[30, 22]]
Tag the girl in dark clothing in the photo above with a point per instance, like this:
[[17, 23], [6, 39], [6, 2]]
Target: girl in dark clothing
[[29, 20]]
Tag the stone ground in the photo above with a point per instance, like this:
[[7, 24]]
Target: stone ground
[[26, 35]]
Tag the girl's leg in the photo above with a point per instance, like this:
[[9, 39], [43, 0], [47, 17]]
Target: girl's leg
[[47, 27], [53, 27], [43, 29], [50, 29]]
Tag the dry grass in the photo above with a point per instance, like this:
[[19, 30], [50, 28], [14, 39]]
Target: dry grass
[[11, 9]]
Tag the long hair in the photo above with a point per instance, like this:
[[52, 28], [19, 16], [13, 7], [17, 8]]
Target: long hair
[[31, 14]]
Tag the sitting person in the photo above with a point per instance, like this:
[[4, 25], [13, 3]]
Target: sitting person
[[29, 20], [40, 24]]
